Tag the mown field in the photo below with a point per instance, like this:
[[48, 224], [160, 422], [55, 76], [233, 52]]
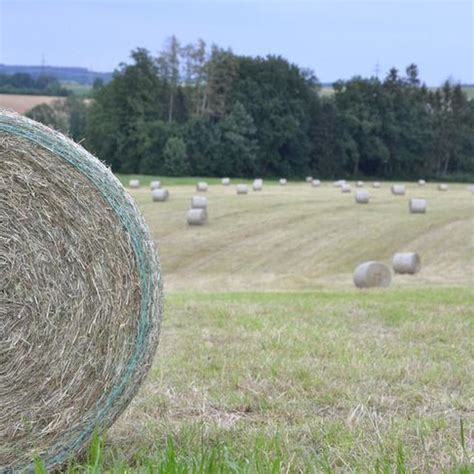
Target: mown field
[[271, 361], [22, 103]]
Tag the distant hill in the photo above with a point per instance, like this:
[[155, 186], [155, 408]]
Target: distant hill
[[70, 74]]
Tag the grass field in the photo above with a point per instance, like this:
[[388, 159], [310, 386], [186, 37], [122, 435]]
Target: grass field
[[270, 360]]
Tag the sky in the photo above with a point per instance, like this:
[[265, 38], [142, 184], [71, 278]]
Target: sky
[[336, 39]]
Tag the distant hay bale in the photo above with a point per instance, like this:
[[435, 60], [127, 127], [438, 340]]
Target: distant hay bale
[[257, 185], [417, 206], [470, 188], [339, 183], [196, 216], [398, 189], [359, 184], [406, 262], [316, 183], [242, 189], [283, 182], [362, 196], [372, 275], [309, 179], [225, 181], [421, 182], [161, 194], [81, 297], [346, 188], [442, 187], [201, 186], [134, 184], [199, 202], [376, 185], [155, 185]]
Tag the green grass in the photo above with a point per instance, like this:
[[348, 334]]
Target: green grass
[[81, 90], [271, 361]]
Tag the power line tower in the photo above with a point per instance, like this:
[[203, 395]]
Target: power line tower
[[377, 69]]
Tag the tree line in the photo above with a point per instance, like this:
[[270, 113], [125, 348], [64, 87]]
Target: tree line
[[204, 111], [22, 83]]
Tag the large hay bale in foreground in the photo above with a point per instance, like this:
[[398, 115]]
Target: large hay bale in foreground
[[372, 275], [81, 303], [406, 262], [398, 189], [196, 216], [417, 206], [199, 202], [160, 195]]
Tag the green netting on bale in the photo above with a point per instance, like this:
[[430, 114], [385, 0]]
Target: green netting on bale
[[148, 269]]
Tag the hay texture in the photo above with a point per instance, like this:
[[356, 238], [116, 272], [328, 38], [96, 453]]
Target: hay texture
[[242, 189], [362, 196], [406, 262], [417, 206], [398, 189], [316, 183], [372, 275], [160, 195], [257, 185], [81, 296], [196, 216], [225, 181], [134, 184], [199, 202], [155, 185], [202, 186]]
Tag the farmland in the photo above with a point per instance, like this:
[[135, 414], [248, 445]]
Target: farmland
[[271, 360], [22, 103]]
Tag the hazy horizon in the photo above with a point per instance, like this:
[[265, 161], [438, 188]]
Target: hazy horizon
[[337, 40]]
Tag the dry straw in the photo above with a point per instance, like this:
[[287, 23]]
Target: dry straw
[[81, 296], [406, 262], [372, 275]]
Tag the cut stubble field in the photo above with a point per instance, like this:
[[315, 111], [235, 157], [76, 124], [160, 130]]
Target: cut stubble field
[[270, 360]]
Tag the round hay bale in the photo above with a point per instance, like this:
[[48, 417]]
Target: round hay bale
[[160, 195], [242, 189], [202, 186], [372, 275], [283, 182], [346, 188], [155, 185], [376, 185], [398, 189], [359, 184], [309, 179], [442, 187], [257, 185], [406, 262], [470, 188], [339, 183], [81, 296], [316, 183], [196, 216], [199, 202], [225, 181], [134, 184], [362, 196], [417, 206], [421, 182]]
